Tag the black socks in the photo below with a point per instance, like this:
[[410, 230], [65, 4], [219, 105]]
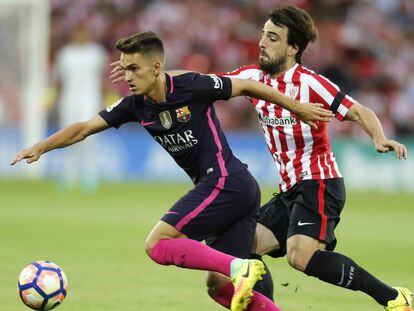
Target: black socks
[[339, 270]]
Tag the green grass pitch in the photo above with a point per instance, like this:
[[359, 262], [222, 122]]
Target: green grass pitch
[[98, 240]]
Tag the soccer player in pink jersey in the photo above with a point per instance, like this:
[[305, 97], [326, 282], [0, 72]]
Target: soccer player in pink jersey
[[178, 113], [300, 221]]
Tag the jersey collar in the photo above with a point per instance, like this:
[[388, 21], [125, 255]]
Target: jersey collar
[[170, 83], [161, 106]]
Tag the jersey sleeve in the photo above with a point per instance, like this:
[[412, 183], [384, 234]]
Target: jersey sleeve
[[323, 91], [212, 87], [252, 72], [119, 112], [248, 72]]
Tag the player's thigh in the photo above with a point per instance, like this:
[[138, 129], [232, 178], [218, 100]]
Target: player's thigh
[[271, 231], [316, 209], [265, 241], [209, 210], [303, 242]]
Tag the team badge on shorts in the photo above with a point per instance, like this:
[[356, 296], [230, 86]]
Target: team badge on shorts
[[183, 114], [166, 119]]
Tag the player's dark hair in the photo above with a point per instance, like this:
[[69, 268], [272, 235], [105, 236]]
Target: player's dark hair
[[144, 43], [302, 29]]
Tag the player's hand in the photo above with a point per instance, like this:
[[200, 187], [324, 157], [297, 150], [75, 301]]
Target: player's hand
[[32, 154], [311, 114], [386, 145], [117, 73]]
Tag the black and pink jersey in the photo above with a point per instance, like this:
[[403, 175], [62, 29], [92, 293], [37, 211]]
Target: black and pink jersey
[[185, 125]]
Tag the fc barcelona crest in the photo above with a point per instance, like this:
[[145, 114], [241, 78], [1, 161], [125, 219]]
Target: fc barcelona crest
[[166, 119], [183, 114]]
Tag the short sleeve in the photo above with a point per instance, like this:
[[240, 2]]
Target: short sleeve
[[252, 72], [119, 112], [212, 87], [328, 93]]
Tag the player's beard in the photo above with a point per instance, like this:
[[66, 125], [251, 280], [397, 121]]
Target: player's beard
[[273, 66]]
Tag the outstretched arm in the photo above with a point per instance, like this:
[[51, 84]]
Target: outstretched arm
[[369, 122], [308, 113], [68, 136]]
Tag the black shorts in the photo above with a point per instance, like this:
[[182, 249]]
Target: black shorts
[[310, 207], [221, 210]]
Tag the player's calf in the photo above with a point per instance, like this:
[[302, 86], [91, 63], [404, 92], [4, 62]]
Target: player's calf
[[215, 281], [334, 268], [340, 270]]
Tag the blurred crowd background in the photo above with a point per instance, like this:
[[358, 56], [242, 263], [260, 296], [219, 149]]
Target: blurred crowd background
[[365, 46]]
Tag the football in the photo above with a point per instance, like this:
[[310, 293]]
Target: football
[[42, 285]]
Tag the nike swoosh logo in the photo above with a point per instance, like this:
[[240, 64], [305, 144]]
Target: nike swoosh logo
[[143, 123], [343, 275], [300, 223], [407, 303], [247, 272], [171, 212]]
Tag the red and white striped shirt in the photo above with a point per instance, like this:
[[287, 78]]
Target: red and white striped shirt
[[299, 152]]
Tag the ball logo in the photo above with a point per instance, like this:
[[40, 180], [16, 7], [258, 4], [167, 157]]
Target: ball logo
[[183, 114]]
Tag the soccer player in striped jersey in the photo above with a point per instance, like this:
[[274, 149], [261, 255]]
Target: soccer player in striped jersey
[[300, 221], [224, 204]]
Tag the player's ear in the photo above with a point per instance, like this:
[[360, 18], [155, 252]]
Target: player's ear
[[292, 50], [157, 68]]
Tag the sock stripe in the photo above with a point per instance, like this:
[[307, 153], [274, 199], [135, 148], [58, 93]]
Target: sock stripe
[[321, 202]]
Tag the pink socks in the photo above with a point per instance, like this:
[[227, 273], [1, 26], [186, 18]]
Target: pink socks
[[258, 302], [192, 254], [187, 253]]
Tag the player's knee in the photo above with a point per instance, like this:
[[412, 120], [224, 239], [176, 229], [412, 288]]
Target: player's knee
[[300, 250], [149, 245], [294, 260], [148, 250], [298, 257]]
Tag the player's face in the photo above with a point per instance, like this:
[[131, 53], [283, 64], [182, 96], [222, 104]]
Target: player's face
[[140, 72], [274, 48]]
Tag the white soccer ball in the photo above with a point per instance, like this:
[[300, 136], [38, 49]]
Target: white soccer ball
[[42, 285]]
